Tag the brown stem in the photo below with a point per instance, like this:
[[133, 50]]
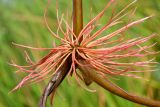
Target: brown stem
[[77, 16], [113, 88], [55, 82]]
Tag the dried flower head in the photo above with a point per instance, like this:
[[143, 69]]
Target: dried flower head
[[101, 53]]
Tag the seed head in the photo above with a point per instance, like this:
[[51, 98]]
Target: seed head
[[101, 52]]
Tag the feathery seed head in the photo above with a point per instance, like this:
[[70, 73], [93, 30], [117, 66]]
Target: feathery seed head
[[102, 53]]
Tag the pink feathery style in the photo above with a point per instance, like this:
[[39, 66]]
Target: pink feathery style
[[103, 53]]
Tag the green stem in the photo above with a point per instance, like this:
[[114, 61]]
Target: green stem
[[77, 16], [113, 88]]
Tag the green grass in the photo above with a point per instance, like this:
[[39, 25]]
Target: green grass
[[21, 21]]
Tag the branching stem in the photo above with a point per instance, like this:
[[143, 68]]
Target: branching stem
[[113, 88]]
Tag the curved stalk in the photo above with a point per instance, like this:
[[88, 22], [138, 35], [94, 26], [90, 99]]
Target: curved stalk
[[113, 88], [56, 80]]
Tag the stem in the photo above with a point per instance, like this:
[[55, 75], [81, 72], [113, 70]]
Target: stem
[[56, 80], [113, 88], [77, 17]]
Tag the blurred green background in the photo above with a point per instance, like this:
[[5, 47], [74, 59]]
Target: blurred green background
[[21, 21]]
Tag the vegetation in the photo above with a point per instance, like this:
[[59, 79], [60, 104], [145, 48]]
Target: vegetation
[[22, 22]]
